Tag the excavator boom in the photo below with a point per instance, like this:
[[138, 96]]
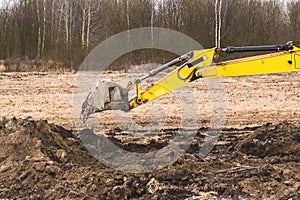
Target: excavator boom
[[193, 66]]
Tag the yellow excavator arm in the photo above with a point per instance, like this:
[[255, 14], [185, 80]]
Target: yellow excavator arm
[[185, 74], [193, 66], [200, 65]]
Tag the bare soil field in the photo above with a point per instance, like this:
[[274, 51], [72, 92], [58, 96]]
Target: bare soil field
[[250, 101], [256, 157]]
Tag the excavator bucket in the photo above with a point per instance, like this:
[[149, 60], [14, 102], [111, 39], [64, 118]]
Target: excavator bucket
[[105, 96]]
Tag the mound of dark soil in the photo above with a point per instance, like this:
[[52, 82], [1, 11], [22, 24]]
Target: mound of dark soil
[[43, 161], [40, 160], [282, 140]]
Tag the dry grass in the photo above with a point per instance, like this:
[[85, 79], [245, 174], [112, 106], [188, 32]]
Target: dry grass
[[26, 65]]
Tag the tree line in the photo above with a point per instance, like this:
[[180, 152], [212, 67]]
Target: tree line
[[66, 30]]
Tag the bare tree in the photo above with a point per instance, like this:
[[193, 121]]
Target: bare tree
[[294, 18], [218, 22], [44, 27], [88, 29], [39, 29], [83, 5]]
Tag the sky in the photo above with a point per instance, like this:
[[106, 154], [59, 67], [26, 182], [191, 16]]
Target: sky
[[4, 3]]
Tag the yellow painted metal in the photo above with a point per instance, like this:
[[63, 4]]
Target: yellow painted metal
[[200, 66], [178, 78], [139, 93], [297, 60], [256, 65]]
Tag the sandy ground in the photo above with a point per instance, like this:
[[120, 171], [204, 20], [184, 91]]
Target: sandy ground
[[250, 101]]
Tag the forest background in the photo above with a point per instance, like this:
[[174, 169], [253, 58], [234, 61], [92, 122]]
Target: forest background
[[46, 34]]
